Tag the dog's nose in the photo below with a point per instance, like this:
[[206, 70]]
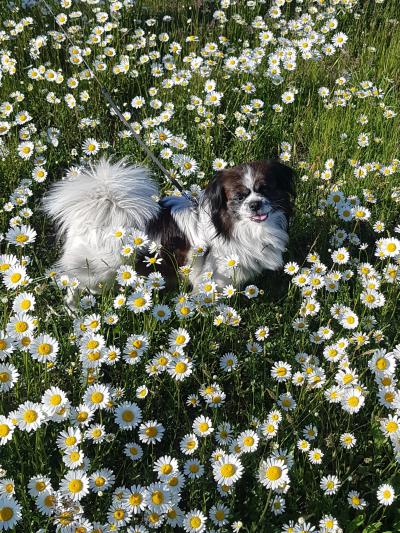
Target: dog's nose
[[255, 205]]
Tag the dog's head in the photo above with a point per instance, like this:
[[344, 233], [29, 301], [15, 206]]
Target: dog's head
[[251, 192]]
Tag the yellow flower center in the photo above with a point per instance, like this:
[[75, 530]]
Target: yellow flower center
[[21, 327], [75, 486], [40, 486], [139, 302], [55, 399], [49, 501], [392, 427], [166, 469], [97, 397], [195, 522], [381, 363], [135, 499], [180, 367], [353, 401], [127, 416], [157, 497], [92, 344], [30, 416], [74, 456], [248, 441], [25, 304], [44, 348], [25, 341], [151, 431], [203, 426], [6, 513], [273, 473], [153, 518], [4, 430], [227, 470], [347, 378], [82, 416]]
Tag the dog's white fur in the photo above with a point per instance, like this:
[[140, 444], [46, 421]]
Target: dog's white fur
[[108, 195], [89, 207], [257, 246]]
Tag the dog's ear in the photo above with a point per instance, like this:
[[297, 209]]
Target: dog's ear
[[284, 179], [283, 174], [287, 183], [215, 197]]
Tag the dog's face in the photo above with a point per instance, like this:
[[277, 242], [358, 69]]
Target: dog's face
[[250, 192]]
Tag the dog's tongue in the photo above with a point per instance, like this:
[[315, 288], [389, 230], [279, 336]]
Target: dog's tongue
[[259, 218]]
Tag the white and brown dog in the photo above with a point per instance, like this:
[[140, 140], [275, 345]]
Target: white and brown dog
[[243, 212]]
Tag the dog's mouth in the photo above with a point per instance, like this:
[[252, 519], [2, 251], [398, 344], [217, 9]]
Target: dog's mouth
[[261, 217]]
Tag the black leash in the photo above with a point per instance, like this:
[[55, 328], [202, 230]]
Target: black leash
[[117, 111]]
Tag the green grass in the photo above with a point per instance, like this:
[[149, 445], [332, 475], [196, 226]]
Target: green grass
[[315, 134]]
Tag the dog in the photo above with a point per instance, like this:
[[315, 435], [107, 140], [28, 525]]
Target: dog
[[242, 213]]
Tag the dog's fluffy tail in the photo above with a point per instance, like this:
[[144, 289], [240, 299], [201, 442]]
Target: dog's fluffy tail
[[105, 196]]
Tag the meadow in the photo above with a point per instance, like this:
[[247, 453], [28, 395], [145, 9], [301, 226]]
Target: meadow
[[268, 408]]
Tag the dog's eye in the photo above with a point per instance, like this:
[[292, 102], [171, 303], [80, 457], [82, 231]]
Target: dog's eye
[[265, 188], [241, 195]]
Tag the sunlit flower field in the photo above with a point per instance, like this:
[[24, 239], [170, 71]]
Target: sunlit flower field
[[270, 407]]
